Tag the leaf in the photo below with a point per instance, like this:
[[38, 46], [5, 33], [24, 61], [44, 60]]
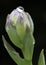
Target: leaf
[[14, 55], [41, 59]]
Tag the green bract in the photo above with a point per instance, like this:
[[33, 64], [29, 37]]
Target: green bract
[[19, 27]]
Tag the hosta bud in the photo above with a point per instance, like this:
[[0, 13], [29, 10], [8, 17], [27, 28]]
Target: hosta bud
[[19, 19], [41, 60], [19, 26]]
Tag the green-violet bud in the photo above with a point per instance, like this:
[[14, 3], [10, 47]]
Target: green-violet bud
[[19, 19], [19, 26]]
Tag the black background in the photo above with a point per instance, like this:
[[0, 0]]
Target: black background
[[37, 11]]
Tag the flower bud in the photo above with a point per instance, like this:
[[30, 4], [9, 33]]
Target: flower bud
[[41, 60], [19, 26], [20, 20]]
